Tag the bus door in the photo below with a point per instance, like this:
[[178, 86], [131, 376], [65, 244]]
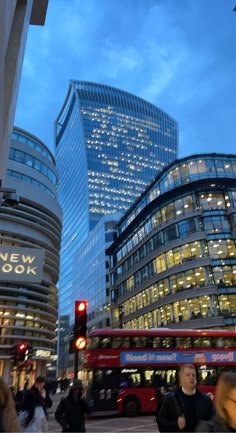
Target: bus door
[[104, 389]]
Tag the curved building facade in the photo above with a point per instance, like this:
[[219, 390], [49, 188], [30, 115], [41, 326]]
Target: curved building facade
[[174, 262], [109, 146], [29, 256]]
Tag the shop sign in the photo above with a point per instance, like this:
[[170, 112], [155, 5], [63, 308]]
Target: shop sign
[[21, 264]]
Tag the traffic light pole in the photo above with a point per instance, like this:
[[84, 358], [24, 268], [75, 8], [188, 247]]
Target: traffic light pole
[[76, 363]]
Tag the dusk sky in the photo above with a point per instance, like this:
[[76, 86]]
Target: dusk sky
[[178, 54]]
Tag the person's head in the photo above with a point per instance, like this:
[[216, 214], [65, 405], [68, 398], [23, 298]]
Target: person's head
[[225, 397], [40, 382], [163, 389], [188, 378], [77, 388]]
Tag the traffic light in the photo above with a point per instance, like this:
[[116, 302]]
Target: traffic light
[[80, 328], [22, 352]]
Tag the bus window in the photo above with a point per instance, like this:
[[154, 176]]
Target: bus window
[[220, 342], [184, 342], [157, 379], [125, 342], [105, 342], [171, 377], [225, 342], [116, 342], [156, 342], [140, 342], [167, 342], [94, 343], [206, 342], [206, 375], [147, 377], [130, 380], [202, 342], [230, 342], [106, 378]]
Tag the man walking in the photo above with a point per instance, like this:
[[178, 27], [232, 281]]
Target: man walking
[[40, 394], [182, 410], [71, 410]]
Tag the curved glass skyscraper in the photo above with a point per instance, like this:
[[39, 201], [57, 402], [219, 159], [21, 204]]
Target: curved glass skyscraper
[[109, 146]]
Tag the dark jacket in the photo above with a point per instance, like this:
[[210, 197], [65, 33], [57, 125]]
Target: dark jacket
[[217, 424], [195, 408], [46, 402], [70, 413]]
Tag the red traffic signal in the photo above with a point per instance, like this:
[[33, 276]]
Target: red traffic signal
[[80, 343], [80, 328], [81, 306], [21, 347], [22, 352]]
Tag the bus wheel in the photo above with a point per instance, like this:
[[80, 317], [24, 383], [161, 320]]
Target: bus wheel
[[131, 407]]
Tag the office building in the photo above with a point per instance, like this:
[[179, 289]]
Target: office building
[[91, 278], [109, 146], [15, 18], [29, 258], [174, 264]]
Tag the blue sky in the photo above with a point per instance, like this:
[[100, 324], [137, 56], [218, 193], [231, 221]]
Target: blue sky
[[178, 54]]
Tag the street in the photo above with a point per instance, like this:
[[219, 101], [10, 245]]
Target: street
[[113, 424]]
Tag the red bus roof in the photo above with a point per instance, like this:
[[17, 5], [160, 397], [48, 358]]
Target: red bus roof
[[165, 332]]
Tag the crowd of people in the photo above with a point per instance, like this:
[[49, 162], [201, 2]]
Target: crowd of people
[[27, 411], [185, 409]]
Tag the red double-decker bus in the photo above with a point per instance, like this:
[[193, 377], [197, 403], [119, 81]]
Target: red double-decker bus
[[125, 368]]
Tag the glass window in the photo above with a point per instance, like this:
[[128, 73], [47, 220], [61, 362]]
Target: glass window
[[28, 160], [170, 233], [37, 164], [183, 229], [170, 211], [160, 264], [19, 156]]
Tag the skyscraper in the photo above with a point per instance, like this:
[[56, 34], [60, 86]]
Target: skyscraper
[[109, 146]]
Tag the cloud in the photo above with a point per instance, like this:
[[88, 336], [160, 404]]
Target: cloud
[[168, 52], [119, 60]]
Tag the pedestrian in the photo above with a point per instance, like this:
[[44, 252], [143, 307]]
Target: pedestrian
[[162, 393], [225, 406], [8, 416], [41, 395], [182, 410], [70, 412], [32, 416]]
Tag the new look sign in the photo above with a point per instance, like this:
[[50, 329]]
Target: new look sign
[[21, 264]]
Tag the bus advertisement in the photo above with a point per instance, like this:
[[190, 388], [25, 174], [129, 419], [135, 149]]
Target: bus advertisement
[[125, 369]]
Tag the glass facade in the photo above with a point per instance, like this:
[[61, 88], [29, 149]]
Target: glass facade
[[109, 146], [91, 270], [188, 170], [177, 260]]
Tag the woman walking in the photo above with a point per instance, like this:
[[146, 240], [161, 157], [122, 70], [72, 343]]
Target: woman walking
[[225, 406], [32, 416]]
